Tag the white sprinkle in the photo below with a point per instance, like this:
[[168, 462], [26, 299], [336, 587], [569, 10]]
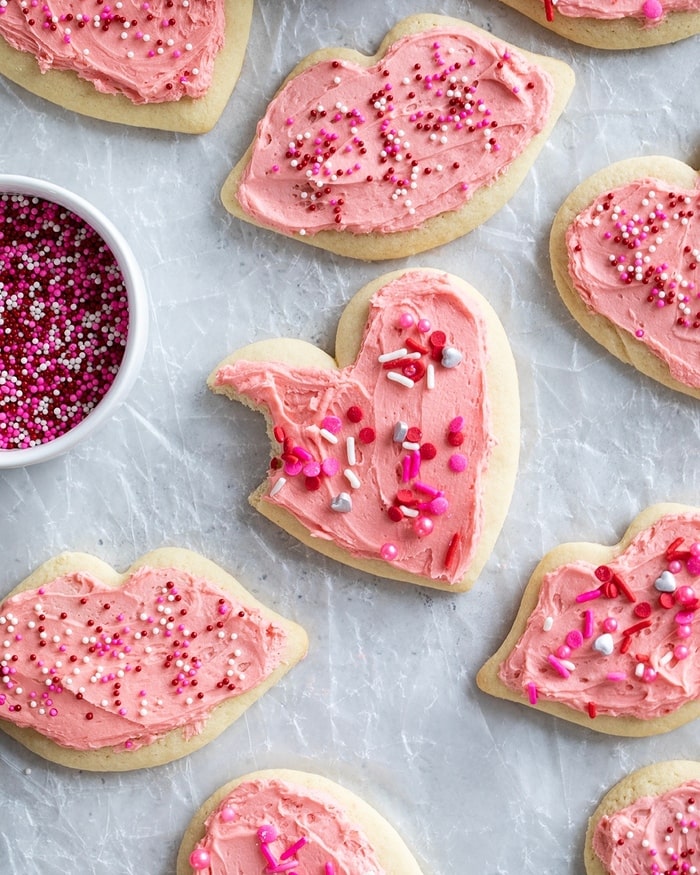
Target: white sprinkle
[[395, 377], [410, 445], [666, 658], [278, 485], [392, 356], [327, 435], [430, 376], [352, 478], [409, 511], [350, 450], [548, 623]]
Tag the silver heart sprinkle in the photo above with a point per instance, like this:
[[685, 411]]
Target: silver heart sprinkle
[[604, 644], [666, 582], [451, 357], [341, 503]]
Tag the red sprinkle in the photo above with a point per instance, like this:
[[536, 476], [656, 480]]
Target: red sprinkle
[[355, 414], [452, 550], [592, 710], [367, 435]]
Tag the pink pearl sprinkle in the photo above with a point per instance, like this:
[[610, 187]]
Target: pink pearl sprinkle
[[457, 462], [406, 320], [228, 814], [200, 859], [389, 552], [424, 326], [652, 9]]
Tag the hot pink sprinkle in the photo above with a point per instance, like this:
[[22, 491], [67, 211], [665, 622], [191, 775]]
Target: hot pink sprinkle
[[532, 693], [588, 596]]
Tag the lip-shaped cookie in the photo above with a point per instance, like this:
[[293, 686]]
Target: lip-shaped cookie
[[385, 156], [152, 64], [399, 455], [606, 636], [648, 822], [281, 820], [625, 24], [625, 249], [110, 672]]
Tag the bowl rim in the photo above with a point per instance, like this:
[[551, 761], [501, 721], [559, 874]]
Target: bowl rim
[[137, 299]]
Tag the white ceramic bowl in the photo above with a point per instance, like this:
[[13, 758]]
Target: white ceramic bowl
[[137, 327]]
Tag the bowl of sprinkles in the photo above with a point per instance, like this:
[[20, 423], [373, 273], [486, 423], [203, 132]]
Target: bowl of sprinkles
[[73, 320]]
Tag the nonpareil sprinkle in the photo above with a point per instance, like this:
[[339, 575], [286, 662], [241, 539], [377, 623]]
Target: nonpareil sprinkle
[[64, 319]]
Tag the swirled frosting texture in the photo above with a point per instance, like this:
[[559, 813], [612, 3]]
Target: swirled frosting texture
[[400, 476], [633, 257], [652, 835], [91, 666], [149, 52], [627, 647], [604, 9], [266, 822], [384, 148]]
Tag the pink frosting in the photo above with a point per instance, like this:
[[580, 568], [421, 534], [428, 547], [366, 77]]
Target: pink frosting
[[650, 11], [407, 489], [654, 834], [621, 639], [267, 823], [91, 666], [633, 258], [384, 148], [148, 51]]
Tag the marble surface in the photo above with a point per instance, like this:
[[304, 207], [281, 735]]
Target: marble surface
[[386, 701]]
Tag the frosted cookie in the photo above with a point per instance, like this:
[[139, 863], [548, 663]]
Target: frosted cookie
[[280, 820], [624, 24], [606, 636], [399, 455], [385, 156], [154, 65], [647, 823], [625, 247], [110, 672]]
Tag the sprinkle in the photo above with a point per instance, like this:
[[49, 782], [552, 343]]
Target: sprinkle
[[430, 376], [452, 549], [532, 693], [277, 486], [350, 451], [592, 710], [352, 478], [395, 377], [588, 596], [558, 665], [588, 624], [292, 850], [548, 623], [328, 436], [392, 356], [616, 676]]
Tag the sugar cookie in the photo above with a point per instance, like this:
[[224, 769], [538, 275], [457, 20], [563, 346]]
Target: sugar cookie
[[624, 24], [397, 457], [605, 636], [139, 64], [385, 156], [110, 672], [625, 248], [646, 822], [280, 819]]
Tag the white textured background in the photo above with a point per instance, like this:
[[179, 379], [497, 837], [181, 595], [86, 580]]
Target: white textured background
[[386, 701]]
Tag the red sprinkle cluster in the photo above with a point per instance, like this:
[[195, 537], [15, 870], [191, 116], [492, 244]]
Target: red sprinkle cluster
[[64, 319]]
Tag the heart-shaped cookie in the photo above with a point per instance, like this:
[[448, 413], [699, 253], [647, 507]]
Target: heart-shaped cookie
[[385, 156], [648, 822], [150, 64], [399, 456], [624, 24], [601, 639], [280, 820], [110, 672], [625, 250]]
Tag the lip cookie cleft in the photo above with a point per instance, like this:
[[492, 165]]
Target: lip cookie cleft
[[399, 455], [112, 672], [386, 156]]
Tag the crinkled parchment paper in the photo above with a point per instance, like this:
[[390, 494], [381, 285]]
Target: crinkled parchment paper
[[386, 701]]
